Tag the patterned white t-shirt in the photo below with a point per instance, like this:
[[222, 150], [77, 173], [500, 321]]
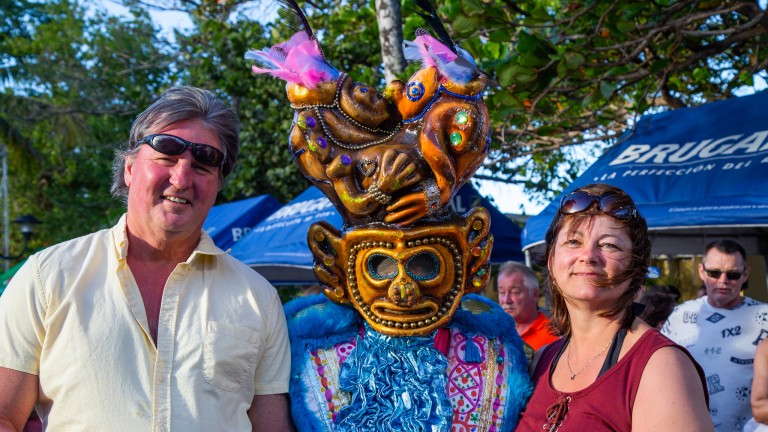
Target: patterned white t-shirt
[[723, 341]]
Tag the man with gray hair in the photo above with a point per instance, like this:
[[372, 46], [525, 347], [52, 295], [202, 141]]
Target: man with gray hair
[[148, 325], [519, 296]]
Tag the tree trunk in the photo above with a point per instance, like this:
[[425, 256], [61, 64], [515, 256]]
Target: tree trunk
[[390, 37]]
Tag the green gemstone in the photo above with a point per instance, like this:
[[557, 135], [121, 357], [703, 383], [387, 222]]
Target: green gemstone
[[455, 138], [302, 122], [481, 272], [462, 117], [312, 146]]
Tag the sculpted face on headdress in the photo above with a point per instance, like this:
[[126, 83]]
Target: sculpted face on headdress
[[391, 164]]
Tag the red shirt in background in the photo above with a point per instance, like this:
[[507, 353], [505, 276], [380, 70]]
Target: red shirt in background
[[539, 333]]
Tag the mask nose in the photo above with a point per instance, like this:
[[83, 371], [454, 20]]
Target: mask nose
[[404, 292]]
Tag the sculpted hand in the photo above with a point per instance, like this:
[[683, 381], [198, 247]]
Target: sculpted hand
[[397, 171]]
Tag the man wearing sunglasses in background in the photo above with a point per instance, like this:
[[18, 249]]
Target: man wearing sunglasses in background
[[721, 330], [148, 326]]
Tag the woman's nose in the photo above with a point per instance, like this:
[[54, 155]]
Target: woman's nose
[[588, 253]]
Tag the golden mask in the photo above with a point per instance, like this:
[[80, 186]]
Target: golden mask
[[404, 281]]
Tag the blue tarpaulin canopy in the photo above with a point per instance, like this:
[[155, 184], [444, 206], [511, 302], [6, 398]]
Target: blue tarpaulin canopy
[[277, 247], [696, 174], [228, 223]]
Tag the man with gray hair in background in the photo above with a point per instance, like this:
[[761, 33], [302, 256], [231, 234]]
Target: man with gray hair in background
[[519, 296], [148, 326]]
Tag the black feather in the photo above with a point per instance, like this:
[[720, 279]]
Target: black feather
[[434, 21], [303, 23]]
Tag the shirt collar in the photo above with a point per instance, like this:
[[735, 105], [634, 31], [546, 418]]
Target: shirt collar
[[205, 246]]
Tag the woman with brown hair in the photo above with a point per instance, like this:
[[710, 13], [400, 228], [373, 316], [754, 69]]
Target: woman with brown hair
[[610, 371]]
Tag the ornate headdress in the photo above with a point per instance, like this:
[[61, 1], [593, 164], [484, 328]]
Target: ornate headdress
[[390, 163]]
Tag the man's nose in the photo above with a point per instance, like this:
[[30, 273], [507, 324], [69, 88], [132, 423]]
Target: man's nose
[[181, 172]]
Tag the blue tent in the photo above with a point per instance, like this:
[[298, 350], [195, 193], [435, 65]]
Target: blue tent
[[506, 233], [228, 223], [277, 247], [696, 174]]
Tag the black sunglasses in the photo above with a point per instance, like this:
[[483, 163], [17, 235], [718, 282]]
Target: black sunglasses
[[730, 275], [579, 201], [173, 145]]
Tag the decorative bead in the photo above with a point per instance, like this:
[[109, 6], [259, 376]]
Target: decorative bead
[[311, 122], [456, 138], [321, 141], [346, 160], [328, 261], [319, 237], [476, 251], [477, 225], [462, 117], [415, 91]]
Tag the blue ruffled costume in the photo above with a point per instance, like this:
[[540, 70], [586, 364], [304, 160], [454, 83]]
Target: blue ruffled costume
[[345, 376]]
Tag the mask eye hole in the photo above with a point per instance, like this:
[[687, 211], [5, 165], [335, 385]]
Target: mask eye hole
[[423, 266], [382, 267]]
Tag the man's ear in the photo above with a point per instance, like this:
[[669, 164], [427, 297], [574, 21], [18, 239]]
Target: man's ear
[[128, 169], [702, 275]]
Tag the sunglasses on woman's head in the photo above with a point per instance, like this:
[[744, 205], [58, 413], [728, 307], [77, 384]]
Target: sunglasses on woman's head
[[730, 275], [173, 145], [579, 201]]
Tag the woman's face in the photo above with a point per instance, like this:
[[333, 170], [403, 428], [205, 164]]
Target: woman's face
[[585, 255]]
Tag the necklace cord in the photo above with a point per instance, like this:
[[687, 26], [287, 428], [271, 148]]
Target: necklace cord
[[568, 360]]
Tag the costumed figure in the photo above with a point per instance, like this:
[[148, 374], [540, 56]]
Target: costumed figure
[[398, 341]]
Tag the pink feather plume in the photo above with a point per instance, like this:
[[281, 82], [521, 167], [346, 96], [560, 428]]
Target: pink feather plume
[[297, 61]]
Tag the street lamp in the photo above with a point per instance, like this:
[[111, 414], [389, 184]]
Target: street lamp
[[27, 225]]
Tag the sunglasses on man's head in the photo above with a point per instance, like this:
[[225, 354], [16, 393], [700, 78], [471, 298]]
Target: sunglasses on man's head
[[730, 275], [173, 145], [579, 201]]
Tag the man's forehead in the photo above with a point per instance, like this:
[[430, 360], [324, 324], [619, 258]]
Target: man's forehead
[[715, 254]]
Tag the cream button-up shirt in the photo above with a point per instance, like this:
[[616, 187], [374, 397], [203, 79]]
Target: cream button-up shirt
[[73, 316]]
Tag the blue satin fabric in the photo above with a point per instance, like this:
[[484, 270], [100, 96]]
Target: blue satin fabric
[[395, 384]]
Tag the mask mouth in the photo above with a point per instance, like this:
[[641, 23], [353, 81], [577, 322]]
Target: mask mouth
[[388, 311]]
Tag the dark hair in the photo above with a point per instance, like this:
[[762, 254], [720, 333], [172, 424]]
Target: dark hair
[[637, 229], [175, 105], [726, 246], [658, 307], [511, 267]]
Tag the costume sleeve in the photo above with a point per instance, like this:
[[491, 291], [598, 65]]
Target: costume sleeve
[[274, 367], [22, 313]]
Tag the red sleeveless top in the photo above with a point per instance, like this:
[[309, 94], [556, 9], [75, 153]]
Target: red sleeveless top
[[606, 404]]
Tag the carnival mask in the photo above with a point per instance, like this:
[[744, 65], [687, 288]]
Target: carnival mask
[[404, 281]]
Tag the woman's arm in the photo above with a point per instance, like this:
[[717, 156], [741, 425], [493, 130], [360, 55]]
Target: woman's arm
[[759, 397], [670, 395]]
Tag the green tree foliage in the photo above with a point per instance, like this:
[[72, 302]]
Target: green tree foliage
[[581, 71], [71, 86]]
